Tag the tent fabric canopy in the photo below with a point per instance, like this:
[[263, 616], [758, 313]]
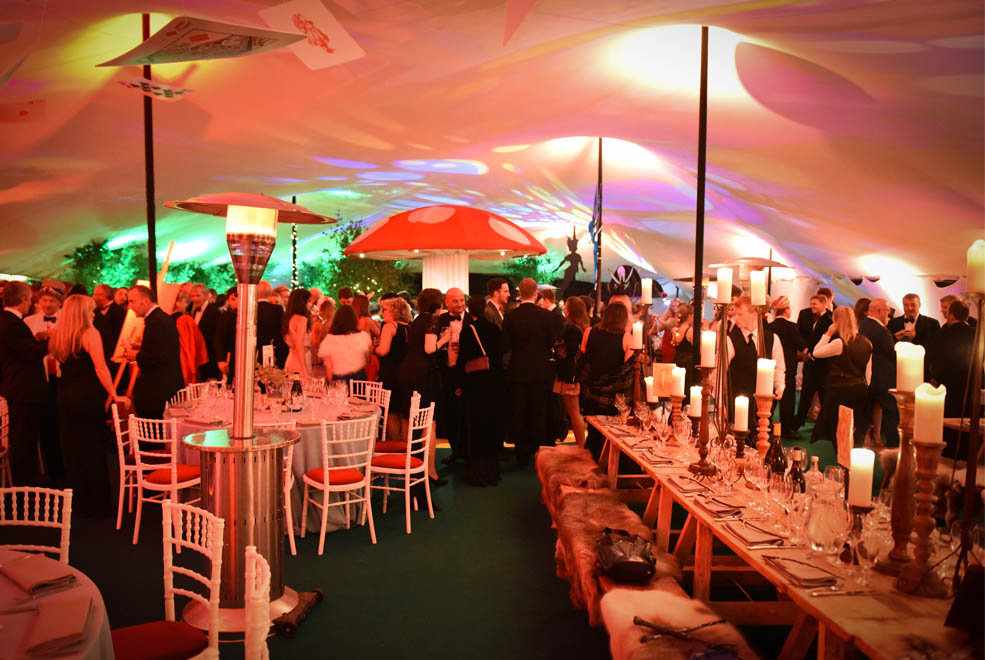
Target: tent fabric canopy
[[846, 136]]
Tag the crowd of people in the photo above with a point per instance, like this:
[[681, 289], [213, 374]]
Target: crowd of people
[[509, 366]]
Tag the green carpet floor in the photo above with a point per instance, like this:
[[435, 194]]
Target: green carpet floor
[[476, 582]]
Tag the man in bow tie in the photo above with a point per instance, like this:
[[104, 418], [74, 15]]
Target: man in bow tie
[[449, 410], [742, 344], [41, 324], [206, 317], [914, 327]]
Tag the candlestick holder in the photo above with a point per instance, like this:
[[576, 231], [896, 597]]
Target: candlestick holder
[[740, 443], [764, 410], [702, 467], [761, 334], [916, 577], [723, 386], [676, 401], [902, 508], [695, 428]]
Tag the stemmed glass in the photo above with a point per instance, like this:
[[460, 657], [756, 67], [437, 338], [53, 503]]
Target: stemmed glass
[[755, 473], [869, 543], [622, 407], [835, 474], [781, 491], [682, 432], [642, 412], [828, 526]]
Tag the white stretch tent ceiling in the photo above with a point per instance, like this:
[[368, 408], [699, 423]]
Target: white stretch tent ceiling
[[846, 136]]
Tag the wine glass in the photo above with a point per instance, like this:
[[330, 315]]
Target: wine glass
[[755, 473], [835, 474], [682, 431], [622, 408], [873, 543], [781, 490], [828, 525], [797, 517]]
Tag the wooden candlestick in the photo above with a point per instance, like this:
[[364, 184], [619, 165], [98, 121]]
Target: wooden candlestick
[[702, 467], [740, 443], [675, 407], [695, 428], [761, 337], [916, 577], [764, 410], [902, 508]]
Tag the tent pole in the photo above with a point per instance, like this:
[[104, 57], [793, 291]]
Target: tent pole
[[149, 172], [598, 245], [699, 225], [294, 249]]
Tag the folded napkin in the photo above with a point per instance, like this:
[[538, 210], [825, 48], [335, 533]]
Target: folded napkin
[[751, 535], [654, 458], [174, 411], [181, 405], [645, 444], [733, 501], [205, 421], [309, 421], [716, 508], [60, 626], [37, 573], [622, 430], [801, 573], [688, 484]]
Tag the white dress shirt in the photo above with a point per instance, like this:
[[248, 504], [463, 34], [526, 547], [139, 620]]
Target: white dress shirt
[[779, 371], [201, 310], [37, 324]]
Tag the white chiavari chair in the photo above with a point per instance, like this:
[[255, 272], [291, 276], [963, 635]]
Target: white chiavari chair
[[6, 479], [257, 599], [288, 476], [28, 506]]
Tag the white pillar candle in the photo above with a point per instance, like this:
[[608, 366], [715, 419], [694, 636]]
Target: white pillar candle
[[724, 285], [741, 414], [860, 477], [708, 348], [694, 410], [651, 396], [712, 291], [928, 413], [976, 267], [677, 381], [909, 366], [646, 297], [637, 335], [764, 376], [757, 287]]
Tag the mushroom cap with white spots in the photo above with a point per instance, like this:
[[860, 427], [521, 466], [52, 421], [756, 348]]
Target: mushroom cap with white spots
[[445, 229]]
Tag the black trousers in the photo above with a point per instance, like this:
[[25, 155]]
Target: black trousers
[[787, 402], [450, 418], [51, 450], [529, 402], [812, 384], [890, 414], [25, 430]]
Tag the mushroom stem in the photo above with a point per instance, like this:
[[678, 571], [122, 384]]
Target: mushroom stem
[[444, 271]]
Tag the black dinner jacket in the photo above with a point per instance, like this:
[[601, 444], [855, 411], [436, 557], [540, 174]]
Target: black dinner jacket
[[159, 359], [269, 318], [493, 315], [926, 327], [225, 339], [22, 378], [811, 331], [529, 332], [207, 325], [883, 353], [110, 325], [791, 340]]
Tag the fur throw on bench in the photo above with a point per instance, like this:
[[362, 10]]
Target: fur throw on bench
[[565, 465]]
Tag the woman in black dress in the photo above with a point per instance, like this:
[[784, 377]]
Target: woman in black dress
[[418, 373], [82, 392], [483, 392], [850, 356], [682, 338], [607, 349], [565, 351], [391, 351]]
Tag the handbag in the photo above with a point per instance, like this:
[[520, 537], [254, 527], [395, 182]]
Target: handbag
[[624, 557], [479, 363]]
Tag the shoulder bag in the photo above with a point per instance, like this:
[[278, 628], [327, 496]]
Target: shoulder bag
[[478, 363]]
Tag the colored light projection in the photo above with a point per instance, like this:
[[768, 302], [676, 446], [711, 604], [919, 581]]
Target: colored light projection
[[818, 138]]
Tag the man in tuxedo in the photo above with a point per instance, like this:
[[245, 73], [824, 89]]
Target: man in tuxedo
[[914, 327], [22, 382], [449, 411], [946, 302], [949, 357], [547, 300], [874, 328], [158, 357], [498, 290], [793, 346], [812, 323], [41, 324], [742, 346], [529, 333], [206, 316], [225, 336], [269, 317], [108, 321]]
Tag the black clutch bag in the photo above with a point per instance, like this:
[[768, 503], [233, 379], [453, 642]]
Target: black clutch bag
[[625, 557]]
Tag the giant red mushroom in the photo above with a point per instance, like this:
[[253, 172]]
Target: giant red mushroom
[[445, 238]]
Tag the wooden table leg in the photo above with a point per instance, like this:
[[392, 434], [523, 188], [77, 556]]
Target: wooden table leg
[[800, 638], [832, 647], [664, 510], [652, 506], [685, 541], [613, 472], [702, 562]]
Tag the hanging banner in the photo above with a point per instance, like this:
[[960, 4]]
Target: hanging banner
[[188, 39], [326, 44]]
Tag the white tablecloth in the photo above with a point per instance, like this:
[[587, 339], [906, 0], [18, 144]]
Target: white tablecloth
[[15, 628], [307, 452]]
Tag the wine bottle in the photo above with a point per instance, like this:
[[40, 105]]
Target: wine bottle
[[297, 394], [776, 460], [796, 474], [814, 478]]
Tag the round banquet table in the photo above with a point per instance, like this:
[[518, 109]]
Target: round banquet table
[[15, 628], [307, 451]]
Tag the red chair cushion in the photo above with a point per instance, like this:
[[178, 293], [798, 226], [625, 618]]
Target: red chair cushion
[[336, 476], [390, 447], [396, 461], [159, 640], [185, 473]]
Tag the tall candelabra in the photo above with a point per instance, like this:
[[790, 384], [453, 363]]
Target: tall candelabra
[[916, 577], [702, 467], [723, 388], [764, 410], [902, 508]]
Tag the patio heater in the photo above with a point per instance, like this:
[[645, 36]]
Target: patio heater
[[242, 471]]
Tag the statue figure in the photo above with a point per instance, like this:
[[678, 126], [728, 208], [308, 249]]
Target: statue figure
[[573, 259]]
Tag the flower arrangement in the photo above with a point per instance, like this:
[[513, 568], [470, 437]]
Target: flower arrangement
[[272, 377]]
